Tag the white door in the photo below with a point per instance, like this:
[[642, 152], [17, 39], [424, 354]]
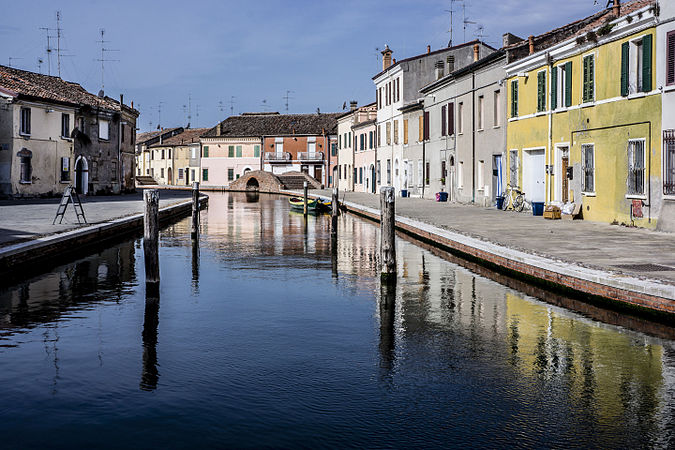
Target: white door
[[534, 175]]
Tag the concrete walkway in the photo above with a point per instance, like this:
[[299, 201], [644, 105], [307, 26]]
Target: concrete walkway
[[23, 220], [635, 252]]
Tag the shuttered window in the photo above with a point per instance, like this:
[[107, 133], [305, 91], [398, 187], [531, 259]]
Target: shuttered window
[[541, 91], [647, 63], [514, 99], [420, 129], [568, 84], [426, 125], [388, 126], [451, 119], [405, 131], [589, 77], [625, 54], [238, 151], [230, 151], [443, 121], [670, 58], [554, 88]]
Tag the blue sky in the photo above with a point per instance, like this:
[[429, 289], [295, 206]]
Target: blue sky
[[323, 51]]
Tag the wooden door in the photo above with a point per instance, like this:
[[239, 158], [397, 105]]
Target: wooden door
[[564, 164]]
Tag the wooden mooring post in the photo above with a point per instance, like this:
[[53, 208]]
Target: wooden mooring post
[[151, 241], [387, 235], [195, 210], [335, 211], [304, 188]]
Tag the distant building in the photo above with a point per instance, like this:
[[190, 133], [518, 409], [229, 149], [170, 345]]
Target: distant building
[[144, 155], [173, 156], [356, 148], [54, 133]]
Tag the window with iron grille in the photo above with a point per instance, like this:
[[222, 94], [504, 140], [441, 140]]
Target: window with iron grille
[[388, 171], [588, 167], [669, 162], [636, 167], [513, 168]]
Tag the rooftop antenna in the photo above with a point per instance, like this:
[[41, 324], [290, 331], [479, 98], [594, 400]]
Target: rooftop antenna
[[58, 42], [197, 116], [480, 32], [159, 114], [232, 105], [452, 10], [11, 58], [49, 50], [40, 61], [102, 59], [466, 21], [286, 97], [189, 110], [264, 104]]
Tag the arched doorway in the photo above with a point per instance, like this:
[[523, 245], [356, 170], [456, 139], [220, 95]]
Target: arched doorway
[[252, 184], [169, 174], [81, 175]]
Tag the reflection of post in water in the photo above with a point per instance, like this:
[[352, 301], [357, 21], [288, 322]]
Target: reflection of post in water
[[195, 263], [150, 374], [334, 256], [387, 318]]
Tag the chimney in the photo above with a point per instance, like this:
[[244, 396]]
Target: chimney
[[219, 129], [132, 104], [352, 105], [394, 60], [439, 69], [386, 57], [509, 39], [451, 63], [121, 100], [476, 52], [428, 49], [530, 40], [616, 8]]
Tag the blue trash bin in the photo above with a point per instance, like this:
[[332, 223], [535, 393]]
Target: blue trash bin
[[537, 208], [404, 192], [441, 196], [500, 202]]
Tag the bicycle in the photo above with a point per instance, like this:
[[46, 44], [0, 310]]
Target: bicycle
[[514, 199]]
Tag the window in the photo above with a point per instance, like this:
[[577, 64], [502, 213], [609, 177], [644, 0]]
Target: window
[[206, 151], [80, 124], [561, 86], [230, 151], [669, 162], [350, 139], [169, 151], [444, 122], [238, 151], [388, 127], [25, 121], [514, 98], [426, 174], [405, 131], [388, 171], [65, 125], [636, 65], [94, 171], [279, 145], [180, 174], [103, 129], [339, 172], [451, 119], [396, 131], [588, 168], [370, 139], [495, 109], [122, 130], [378, 173], [513, 168], [460, 118], [230, 174], [355, 175], [670, 58], [636, 167], [340, 140], [162, 154], [362, 142], [426, 125], [113, 175], [398, 89], [541, 91], [194, 153], [588, 93], [65, 169], [205, 174], [481, 116], [420, 128], [419, 172], [25, 158], [256, 150]]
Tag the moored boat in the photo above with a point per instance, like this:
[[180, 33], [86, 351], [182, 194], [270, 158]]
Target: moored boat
[[298, 204]]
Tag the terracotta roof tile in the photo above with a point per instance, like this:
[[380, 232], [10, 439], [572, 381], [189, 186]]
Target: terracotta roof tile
[[189, 136], [275, 125]]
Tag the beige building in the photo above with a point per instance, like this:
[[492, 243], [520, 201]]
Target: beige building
[[143, 143], [170, 159], [356, 148]]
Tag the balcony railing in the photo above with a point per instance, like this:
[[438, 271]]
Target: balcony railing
[[277, 157], [310, 156]]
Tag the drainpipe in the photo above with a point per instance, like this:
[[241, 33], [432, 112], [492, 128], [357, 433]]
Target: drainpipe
[[551, 158], [473, 137]]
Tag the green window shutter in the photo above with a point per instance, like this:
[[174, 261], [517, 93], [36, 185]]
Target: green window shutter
[[584, 93], [624, 68], [554, 85], [647, 63], [230, 151], [205, 174], [539, 91], [238, 151], [568, 84], [591, 78], [206, 151], [514, 98], [256, 151]]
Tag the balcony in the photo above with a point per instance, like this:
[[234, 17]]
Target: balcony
[[310, 156], [277, 157]]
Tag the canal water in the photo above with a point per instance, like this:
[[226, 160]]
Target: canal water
[[264, 337]]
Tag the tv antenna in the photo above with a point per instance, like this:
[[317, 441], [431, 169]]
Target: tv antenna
[[451, 11], [232, 102], [39, 62], [11, 58], [49, 49], [480, 32], [287, 97], [159, 115], [58, 42], [103, 60], [264, 104], [196, 116]]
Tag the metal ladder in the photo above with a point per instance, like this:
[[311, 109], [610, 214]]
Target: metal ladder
[[70, 195]]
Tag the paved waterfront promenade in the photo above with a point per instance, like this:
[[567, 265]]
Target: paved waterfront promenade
[[601, 246], [22, 220]]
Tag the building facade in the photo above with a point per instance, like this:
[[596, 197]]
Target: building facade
[[665, 80], [356, 147]]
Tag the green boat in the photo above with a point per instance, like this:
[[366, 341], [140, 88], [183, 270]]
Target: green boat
[[298, 204]]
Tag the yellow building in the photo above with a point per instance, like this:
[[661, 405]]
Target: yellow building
[[585, 116]]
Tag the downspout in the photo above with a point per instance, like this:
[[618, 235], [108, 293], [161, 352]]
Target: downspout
[[424, 157], [473, 136], [551, 153]]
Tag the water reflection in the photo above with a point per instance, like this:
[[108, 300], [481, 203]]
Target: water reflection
[[150, 374], [387, 308]]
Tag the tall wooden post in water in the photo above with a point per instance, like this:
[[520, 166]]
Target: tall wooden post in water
[[304, 188], [387, 235], [195, 210], [335, 211], [151, 241]]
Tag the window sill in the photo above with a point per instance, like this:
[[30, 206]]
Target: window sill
[[636, 95], [66, 138], [25, 182], [540, 113], [64, 181], [24, 135], [669, 88], [588, 194], [636, 197], [481, 129], [587, 104], [496, 126]]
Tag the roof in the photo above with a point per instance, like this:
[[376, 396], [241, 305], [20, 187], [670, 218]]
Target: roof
[[275, 125], [520, 49], [489, 59], [35, 86], [435, 52], [189, 136], [142, 138]]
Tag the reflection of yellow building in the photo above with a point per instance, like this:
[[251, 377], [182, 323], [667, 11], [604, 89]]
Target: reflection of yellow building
[[585, 116], [596, 360]]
